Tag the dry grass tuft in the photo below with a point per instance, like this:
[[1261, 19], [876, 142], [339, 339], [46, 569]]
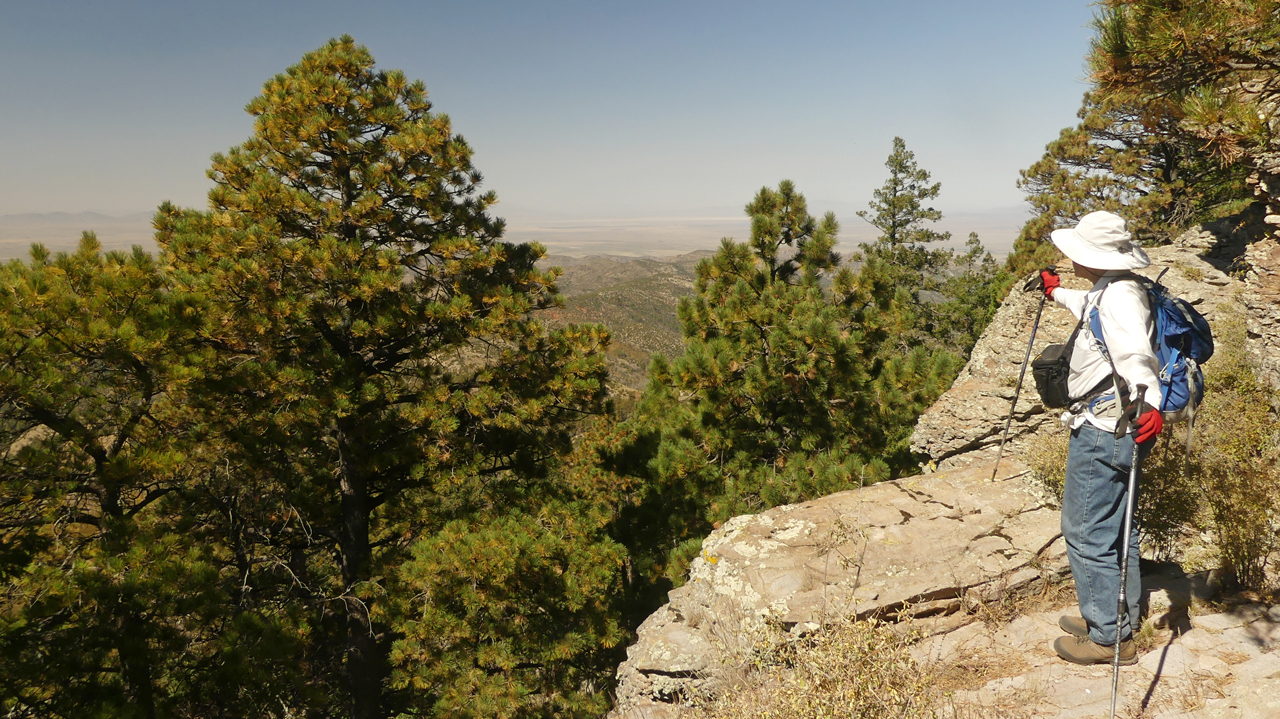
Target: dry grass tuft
[[978, 668], [1005, 605], [1047, 458], [1013, 704], [1195, 274], [1150, 636], [850, 669]]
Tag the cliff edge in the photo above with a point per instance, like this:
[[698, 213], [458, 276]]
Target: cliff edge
[[937, 546]]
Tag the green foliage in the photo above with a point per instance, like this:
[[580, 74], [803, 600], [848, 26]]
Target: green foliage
[[1182, 107], [116, 596], [1207, 64], [1237, 453], [528, 597], [380, 379], [1181, 111], [946, 299], [972, 291], [309, 463], [799, 377], [1170, 498], [899, 211], [1121, 158], [793, 383], [771, 370]]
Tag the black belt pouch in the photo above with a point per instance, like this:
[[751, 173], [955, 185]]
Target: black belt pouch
[[1050, 370]]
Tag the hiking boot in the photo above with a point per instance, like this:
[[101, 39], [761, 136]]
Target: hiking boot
[[1074, 626], [1083, 650]]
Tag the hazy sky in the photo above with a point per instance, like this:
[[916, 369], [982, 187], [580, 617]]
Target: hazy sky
[[576, 110]]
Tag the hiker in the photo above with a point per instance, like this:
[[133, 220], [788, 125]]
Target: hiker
[[1098, 463]]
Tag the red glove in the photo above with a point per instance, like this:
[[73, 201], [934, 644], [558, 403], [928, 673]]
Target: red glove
[[1149, 425], [1050, 280]]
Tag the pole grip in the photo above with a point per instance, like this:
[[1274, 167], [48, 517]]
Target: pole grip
[[1137, 407], [1140, 404], [1036, 282], [1128, 420]]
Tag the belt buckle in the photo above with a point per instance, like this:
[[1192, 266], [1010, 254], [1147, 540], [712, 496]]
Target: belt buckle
[[1106, 407]]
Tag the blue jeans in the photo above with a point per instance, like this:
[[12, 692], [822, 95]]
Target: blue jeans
[[1093, 505]]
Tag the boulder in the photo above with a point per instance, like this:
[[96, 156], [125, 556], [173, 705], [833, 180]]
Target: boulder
[[920, 546]]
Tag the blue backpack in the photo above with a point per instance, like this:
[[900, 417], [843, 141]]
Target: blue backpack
[[1183, 341]]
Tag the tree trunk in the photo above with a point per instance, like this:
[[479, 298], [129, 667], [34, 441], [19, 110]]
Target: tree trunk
[[135, 665], [364, 660], [130, 629]]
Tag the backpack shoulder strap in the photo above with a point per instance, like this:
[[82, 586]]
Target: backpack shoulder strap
[[1071, 341], [1152, 290]]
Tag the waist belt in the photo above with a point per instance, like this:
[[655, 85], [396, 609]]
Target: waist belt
[[1096, 399]]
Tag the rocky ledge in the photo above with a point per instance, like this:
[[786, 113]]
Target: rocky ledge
[[1220, 665], [918, 547], [932, 550]]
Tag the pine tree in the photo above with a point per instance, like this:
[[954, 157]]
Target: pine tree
[[780, 394], [937, 307], [115, 600], [1210, 65], [771, 371], [972, 291], [900, 212], [381, 380], [1180, 121], [1124, 159]]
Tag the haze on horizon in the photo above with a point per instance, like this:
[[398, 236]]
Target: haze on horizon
[[622, 128]]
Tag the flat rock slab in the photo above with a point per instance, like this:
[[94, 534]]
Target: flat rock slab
[[912, 547], [1200, 674], [1172, 660]]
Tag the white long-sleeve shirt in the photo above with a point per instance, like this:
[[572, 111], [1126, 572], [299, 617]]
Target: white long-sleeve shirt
[[1128, 330]]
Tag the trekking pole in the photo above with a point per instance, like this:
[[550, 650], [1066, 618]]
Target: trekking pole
[[1122, 604], [1031, 284], [1191, 422]]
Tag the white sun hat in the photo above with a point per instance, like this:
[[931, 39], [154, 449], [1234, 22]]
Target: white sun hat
[[1100, 242]]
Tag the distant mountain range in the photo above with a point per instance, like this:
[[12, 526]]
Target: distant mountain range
[[57, 218], [635, 296], [621, 236], [61, 231], [650, 235]]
